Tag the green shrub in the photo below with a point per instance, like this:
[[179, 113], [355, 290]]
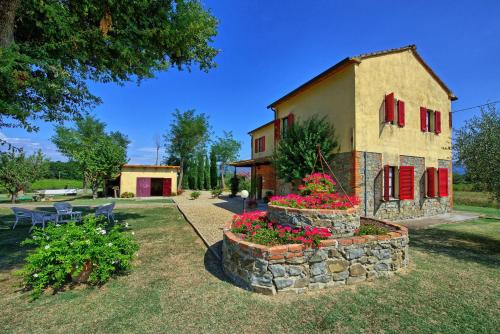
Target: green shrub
[[62, 251], [371, 229], [127, 195], [195, 194], [56, 184], [216, 192]]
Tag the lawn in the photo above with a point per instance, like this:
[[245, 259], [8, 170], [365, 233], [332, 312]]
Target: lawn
[[88, 201], [473, 198], [453, 286]]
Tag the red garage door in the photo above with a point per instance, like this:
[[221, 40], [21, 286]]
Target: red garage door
[[167, 187], [143, 187]]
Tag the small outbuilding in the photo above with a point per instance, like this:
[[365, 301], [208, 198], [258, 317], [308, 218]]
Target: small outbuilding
[[149, 180]]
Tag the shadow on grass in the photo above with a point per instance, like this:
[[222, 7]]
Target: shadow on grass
[[460, 245], [213, 265]]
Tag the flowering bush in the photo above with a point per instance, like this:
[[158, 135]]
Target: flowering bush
[[317, 183], [63, 252], [370, 229], [316, 193], [256, 227]]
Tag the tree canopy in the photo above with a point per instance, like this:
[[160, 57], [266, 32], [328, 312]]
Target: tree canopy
[[50, 49], [296, 153], [477, 148], [98, 153], [188, 134], [226, 149], [18, 171]]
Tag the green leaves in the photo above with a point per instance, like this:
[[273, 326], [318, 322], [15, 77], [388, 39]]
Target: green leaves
[[59, 45], [296, 153], [64, 251], [477, 148]]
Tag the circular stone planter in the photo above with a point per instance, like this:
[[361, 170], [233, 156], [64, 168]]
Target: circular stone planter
[[342, 223], [336, 262]]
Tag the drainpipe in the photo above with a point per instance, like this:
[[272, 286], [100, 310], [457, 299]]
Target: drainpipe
[[364, 168]]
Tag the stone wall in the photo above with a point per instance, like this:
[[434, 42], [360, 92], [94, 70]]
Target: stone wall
[[340, 222], [335, 262]]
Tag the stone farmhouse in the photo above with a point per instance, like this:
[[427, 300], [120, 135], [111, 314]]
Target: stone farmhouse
[[392, 118]]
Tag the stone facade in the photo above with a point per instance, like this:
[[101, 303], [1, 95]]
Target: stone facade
[[341, 222], [335, 262]]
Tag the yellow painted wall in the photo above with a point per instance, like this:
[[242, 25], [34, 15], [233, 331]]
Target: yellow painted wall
[[332, 97], [128, 179], [402, 74], [268, 132]]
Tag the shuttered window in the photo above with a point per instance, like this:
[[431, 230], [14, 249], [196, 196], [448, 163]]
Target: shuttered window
[[423, 119], [443, 182], [386, 182], [401, 113], [437, 122], [431, 182], [389, 108], [260, 144], [406, 182]]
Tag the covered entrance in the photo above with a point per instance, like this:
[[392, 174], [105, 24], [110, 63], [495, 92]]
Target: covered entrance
[[147, 186], [263, 176]]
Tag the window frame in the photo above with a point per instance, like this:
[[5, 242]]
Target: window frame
[[260, 144], [285, 124]]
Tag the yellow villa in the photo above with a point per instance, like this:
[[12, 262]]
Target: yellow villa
[[392, 118], [148, 180]]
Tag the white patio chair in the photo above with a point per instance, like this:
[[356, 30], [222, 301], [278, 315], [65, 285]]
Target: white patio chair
[[106, 210], [20, 214], [42, 217], [65, 209]]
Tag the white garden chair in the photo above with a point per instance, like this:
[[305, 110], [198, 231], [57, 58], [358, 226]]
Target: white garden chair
[[106, 210], [65, 210], [20, 214], [42, 217]]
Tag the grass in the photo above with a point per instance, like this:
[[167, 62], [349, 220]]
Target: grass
[[56, 184], [87, 201], [473, 198], [453, 286], [492, 212]]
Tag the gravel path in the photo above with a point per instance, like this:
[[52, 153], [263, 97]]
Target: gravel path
[[209, 214]]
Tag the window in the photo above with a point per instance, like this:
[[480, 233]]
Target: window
[[430, 121], [394, 110], [390, 178], [260, 144], [285, 124], [398, 182], [392, 181]]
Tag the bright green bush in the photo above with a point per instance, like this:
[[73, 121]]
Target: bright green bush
[[195, 194], [216, 192], [370, 229], [127, 195], [62, 251]]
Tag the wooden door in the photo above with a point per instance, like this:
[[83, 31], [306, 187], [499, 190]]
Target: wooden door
[[143, 187], [167, 187], [259, 187]]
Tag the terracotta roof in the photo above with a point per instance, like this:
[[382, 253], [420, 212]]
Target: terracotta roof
[[357, 59], [262, 126], [151, 166]]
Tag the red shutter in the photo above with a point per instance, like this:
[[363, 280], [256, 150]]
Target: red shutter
[[406, 182], [431, 183], [386, 183], [277, 130], [389, 108], [437, 122], [423, 119], [263, 143], [450, 120], [291, 119], [167, 187], [401, 113], [443, 182], [256, 145]]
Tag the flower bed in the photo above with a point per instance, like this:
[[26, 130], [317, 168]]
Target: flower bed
[[326, 263]]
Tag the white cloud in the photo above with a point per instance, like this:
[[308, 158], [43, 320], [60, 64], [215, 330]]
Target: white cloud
[[30, 146]]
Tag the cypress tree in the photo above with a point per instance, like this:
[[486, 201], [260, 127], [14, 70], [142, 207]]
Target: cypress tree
[[199, 171], [213, 169], [206, 174]]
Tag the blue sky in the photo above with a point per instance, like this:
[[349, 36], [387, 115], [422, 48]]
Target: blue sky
[[270, 47]]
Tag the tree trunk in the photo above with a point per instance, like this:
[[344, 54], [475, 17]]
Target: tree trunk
[[181, 176], [13, 198], [8, 9], [222, 176]]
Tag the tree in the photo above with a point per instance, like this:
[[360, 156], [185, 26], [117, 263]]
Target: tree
[[64, 170], [213, 169], [188, 134], [50, 50], [200, 167], [157, 141], [99, 154], [206, 174], [18, 171], [226, 149], [295, 154], [477, 148]]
